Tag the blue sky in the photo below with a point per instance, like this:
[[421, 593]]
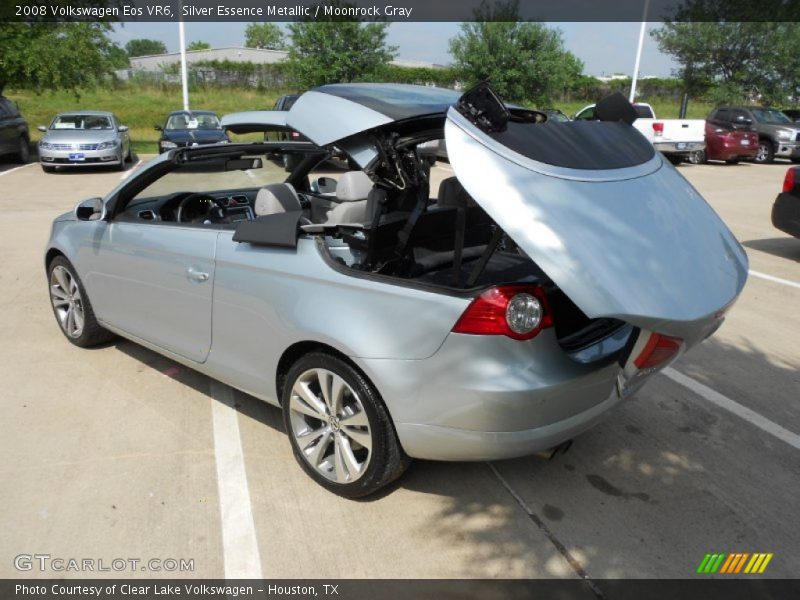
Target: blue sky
[[605, 48]]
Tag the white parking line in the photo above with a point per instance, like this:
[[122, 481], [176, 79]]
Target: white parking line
[[775, 279], [240, 546], [17, 169], [734, 407], [130, 171]]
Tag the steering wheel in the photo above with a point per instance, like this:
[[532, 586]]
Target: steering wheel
[[213, 211]]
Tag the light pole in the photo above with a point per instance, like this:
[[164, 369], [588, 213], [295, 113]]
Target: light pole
[[639, 52], [184, 77]]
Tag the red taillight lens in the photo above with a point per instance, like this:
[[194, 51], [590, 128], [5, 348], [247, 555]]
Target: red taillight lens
[[517, 311], [658, 350], [658, 128], [788, 181]]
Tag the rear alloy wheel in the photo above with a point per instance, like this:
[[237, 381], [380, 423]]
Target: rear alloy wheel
[[765, 154], [340, 431], [71, 306], [24, 152]]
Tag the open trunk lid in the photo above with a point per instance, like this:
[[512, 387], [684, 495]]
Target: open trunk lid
[[621, 232]]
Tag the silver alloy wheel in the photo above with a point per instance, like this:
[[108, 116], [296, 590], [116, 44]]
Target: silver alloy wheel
[[67, 301], [762, 153], [330, 426]]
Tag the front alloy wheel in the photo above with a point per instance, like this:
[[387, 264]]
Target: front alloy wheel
[[765, 153], [71, 306], [339, 428], [67, 302]]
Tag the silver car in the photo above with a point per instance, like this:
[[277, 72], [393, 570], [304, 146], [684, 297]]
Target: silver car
[[497, 314], [84, 139]]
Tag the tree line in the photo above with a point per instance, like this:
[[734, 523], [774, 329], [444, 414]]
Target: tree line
[[524, 61]]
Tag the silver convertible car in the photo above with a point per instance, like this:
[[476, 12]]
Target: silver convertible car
[[488, 309]]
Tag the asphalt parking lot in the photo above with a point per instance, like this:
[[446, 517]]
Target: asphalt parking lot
[[118, 452]]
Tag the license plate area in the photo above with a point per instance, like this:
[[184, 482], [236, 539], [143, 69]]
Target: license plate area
[[77, 156]]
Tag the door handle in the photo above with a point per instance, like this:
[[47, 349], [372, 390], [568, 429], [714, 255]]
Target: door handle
[[196, 275]]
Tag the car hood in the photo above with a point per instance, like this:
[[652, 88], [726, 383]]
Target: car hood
[[79, 136], [624, 236], [193, 135]]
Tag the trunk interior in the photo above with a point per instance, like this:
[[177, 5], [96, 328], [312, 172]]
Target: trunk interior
[[455, 247]]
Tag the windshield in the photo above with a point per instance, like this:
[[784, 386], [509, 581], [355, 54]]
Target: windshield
[[769, 115], [193, 121], [211, 176], [81, 122]]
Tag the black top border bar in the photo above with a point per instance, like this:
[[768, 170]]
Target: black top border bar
[[398, 10]]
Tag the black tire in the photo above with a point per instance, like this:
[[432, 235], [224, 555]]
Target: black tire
[[121, 165], [698, 158], [766, 152], [795, 160], [48, 169], [92, 333], [24, 152], [387, 461], [675, 159]]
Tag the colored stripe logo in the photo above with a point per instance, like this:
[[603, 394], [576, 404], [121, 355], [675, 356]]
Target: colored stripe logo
[[734, 563]]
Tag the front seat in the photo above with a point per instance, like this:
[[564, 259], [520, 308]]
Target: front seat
[[276, 198], [352, 205]]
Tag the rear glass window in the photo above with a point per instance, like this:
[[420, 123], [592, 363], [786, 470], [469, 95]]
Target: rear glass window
[[396, 101], [587, 145], [643, 112]]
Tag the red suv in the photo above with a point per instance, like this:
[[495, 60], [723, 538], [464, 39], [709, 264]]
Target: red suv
[[730, 141]]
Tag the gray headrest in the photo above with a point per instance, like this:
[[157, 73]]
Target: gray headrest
[[352, 186], [276, 198]]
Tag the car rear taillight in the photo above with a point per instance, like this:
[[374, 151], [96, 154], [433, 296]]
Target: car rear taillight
[[516, 311], [658, 129], [658, 350], [789, 181]]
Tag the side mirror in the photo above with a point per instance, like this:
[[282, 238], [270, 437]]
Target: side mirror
[[122, 128], [93, 209], [42, 128], [323, 185], [158, 128]]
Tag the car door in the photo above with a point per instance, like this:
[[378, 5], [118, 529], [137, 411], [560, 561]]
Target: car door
[[155, 281]]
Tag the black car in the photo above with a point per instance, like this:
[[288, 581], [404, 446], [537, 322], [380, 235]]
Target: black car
[[786, 210], [14, 136], [191, 128]]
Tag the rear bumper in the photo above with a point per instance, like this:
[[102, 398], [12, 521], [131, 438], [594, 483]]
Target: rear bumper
[[486, 397], [682, 148], [732, 151], [449, 443], [786, 214]]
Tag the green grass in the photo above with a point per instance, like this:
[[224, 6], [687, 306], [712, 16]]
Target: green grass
[[142, 107], [138, 108]]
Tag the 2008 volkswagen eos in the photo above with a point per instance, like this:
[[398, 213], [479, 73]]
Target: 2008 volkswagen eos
[[495, 315]]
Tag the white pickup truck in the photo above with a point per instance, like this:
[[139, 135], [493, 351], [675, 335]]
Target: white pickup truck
[[677, 139]]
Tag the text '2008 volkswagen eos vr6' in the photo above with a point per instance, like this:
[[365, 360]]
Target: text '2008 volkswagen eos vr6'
[[500, 314]]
